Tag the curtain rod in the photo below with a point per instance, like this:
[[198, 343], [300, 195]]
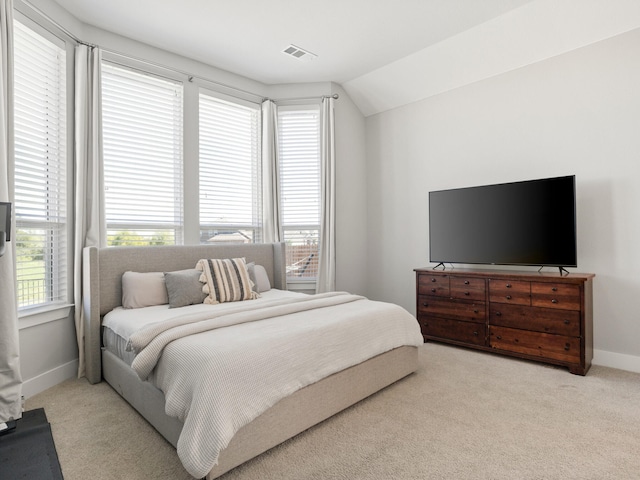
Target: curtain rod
[[335, 96], [54, 23], [189, 76]]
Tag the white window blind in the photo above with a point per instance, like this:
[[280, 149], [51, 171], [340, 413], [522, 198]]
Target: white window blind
[[142, 142], [299, 150], [40, 169], [230, 200]]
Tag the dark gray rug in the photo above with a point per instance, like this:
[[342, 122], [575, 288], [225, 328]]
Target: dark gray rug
[[29, 450]]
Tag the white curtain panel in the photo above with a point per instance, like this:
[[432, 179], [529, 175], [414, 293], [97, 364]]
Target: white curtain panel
[[10, 379], [271, 222], [90, 226], [327, 255]]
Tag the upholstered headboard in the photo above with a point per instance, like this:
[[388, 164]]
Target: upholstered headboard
[[103, 269]]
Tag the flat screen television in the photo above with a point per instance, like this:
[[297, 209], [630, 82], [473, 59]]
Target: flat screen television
[[521, 223]]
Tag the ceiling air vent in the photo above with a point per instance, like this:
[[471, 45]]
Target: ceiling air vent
[[299, 53]]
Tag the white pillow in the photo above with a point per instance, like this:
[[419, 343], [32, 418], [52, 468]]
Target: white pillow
[[143, 289]]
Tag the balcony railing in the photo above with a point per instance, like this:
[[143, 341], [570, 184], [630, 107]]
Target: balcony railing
[[31, 292]]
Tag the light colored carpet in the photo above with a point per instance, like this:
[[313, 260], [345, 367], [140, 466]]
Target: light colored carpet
[[463, 415]]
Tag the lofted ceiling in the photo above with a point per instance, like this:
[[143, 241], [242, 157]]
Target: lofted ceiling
[[246, 37], [385, 53]]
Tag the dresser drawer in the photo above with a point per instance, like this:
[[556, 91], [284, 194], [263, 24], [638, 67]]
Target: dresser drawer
[[448, 329], [545, 345], [506, 291], [547, 320], [458, 309], [433, 285], [468, 288], [550, 295]]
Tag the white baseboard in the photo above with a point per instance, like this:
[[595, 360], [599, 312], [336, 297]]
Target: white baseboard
[[621, 361], [40, 383]]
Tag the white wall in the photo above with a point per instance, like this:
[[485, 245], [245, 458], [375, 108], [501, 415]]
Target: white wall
[[351, 196], [48, 354], [577, 113]]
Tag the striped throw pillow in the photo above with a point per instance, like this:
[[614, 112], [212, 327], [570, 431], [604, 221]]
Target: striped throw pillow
[[226, 280]]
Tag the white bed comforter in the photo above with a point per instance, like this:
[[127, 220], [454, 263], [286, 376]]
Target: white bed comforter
[[220, 371]]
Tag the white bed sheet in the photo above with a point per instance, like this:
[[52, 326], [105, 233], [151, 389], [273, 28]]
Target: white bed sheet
[[119, 324]]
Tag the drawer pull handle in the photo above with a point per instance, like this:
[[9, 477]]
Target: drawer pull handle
[[475, 333], [508, 297], [566, 322], [499, 337], [567, 346], [508, 285], [466, 293], [425, 304], [554, 301], [554, 289], [475, 311], [498, 314], [433, 289], [466, 282], [433, 279]]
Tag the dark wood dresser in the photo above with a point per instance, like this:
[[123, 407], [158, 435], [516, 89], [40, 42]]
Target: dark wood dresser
[[546, 317]]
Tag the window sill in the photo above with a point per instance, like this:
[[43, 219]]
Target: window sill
[[32, 317], [304, 281], [304, 286]]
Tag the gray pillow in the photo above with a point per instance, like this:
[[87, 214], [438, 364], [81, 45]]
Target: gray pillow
[[259, 277], [184, 287]]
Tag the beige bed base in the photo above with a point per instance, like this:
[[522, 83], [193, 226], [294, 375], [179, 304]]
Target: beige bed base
[[103, 270]]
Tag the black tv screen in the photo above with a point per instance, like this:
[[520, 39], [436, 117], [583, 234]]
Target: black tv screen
[[521, 223]]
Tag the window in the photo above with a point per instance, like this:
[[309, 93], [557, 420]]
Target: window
[[230, 193], [40, 168], [142, 142], [299, 150]]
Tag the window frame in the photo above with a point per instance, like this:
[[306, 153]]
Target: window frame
[[31, 315], [144, 68], [256, 227], [303, 282]]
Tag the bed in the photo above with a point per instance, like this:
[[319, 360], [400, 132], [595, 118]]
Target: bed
[[313, 401]]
